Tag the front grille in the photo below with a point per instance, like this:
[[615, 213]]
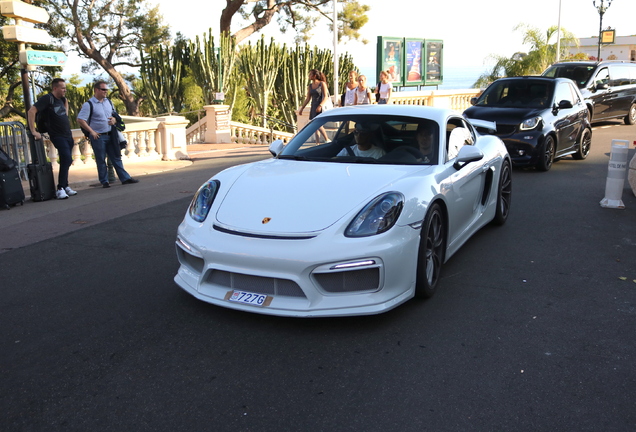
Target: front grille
[[504, 129], [255, 284], [349, 281]]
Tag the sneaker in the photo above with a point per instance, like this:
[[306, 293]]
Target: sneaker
[[130, 181], [69, 191], [61, 194], [105, 185]]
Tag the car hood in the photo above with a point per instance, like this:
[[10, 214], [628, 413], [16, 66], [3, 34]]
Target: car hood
[[282, 196], [503, 115]]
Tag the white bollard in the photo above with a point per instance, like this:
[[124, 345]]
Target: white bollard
[[616, 175]]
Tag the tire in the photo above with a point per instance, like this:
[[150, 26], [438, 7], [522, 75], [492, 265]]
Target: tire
[[584, 145], [546, 154], [431, 252], [630, 118], [504, 194]]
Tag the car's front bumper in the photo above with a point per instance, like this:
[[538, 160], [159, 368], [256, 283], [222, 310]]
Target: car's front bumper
[[327, 275], [523, 147]]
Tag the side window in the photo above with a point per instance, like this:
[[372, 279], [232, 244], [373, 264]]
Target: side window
[[574, 95], [563, 92], [458, 134], [620, 75], [602, 77]]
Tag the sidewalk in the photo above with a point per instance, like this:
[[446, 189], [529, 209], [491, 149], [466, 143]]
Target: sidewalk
[[82, 177]]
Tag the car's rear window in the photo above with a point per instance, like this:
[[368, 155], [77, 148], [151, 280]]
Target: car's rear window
[[580, 74]]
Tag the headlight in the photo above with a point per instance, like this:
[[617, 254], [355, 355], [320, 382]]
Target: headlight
[[378, 216], [203, 199], [530, 123]]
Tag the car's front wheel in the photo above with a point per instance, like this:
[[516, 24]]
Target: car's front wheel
[[504, 194], [584, 145], [546, 154], [630, 118], [431, 253]]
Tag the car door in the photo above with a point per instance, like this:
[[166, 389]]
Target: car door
[[567, 122], [467, 183], [622, 90], [601, 94]]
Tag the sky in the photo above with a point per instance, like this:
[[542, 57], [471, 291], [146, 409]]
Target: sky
[[472, 30]]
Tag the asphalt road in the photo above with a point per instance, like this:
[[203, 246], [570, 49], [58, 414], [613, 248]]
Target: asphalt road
[[532, 328]]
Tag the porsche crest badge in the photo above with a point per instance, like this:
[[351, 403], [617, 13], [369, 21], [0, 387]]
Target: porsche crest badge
[[266, 220]]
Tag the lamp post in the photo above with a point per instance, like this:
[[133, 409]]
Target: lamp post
[[601, 11]]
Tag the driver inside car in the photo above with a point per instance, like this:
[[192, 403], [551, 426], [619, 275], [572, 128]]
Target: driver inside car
[[365, 135]]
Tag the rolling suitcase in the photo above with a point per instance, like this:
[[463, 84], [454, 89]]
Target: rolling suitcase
[[41, 181], [11, 192]]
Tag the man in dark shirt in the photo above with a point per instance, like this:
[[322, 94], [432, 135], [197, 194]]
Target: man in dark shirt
[[55, 107]]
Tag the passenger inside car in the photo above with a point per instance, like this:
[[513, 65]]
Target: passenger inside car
[[425, 137], [366, 138]]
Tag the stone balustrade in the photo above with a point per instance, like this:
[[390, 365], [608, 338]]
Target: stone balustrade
[[147, 139]]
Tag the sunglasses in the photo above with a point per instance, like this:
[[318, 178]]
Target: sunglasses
[[103, 89]]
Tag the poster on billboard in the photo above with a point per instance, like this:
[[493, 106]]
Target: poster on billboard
[[390, 55], [434, 61], [414, 50]]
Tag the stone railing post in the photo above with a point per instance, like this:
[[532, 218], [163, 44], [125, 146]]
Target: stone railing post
[[173, 137], [218, 124]]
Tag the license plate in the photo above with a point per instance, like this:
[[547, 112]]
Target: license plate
[[249, 298]]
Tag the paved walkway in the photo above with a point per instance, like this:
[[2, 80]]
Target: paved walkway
[[81, 177]]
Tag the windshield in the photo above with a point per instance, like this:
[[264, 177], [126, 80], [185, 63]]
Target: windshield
[[521, 93], [368, 139], [580, 74]]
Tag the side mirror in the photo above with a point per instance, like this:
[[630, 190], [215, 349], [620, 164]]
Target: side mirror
[[466, 155], [276, 147], [564, 104], [601, 86]]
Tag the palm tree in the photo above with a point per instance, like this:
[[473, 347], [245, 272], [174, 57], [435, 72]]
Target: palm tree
[[542, 54]]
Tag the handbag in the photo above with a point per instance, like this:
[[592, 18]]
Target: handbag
[[123, 143], [328, 103]]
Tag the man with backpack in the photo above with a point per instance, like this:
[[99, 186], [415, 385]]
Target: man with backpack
[[97, 121], [51, 111]]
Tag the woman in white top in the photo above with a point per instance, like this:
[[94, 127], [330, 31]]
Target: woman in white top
[[362, 93], [384, 89], [350, 89]]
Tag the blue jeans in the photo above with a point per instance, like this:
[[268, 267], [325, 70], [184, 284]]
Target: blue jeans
[[103, 146], [64, 146]]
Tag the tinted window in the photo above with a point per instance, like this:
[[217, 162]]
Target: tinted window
[[563, 92], [620, 75], [602, 77]]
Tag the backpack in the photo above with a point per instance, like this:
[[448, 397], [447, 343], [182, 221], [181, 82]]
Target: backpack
[[42, 118], [87, 134]]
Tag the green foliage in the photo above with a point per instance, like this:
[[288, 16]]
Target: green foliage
[[206, 67], [542, 54], [161, 76], [300, 16], [259, 66]]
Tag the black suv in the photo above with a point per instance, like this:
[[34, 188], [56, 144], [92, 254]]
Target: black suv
[[608, 87], [538, 118]]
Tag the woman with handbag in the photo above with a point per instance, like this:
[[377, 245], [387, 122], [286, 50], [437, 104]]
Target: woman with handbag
[[318, 93]]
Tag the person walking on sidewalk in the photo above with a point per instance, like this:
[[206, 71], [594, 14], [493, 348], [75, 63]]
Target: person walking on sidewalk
[[96, 116], [53, 107]]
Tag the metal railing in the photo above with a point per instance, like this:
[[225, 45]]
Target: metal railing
[[14, 141]]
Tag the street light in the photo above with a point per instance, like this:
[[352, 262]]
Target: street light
[[601, 11]]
